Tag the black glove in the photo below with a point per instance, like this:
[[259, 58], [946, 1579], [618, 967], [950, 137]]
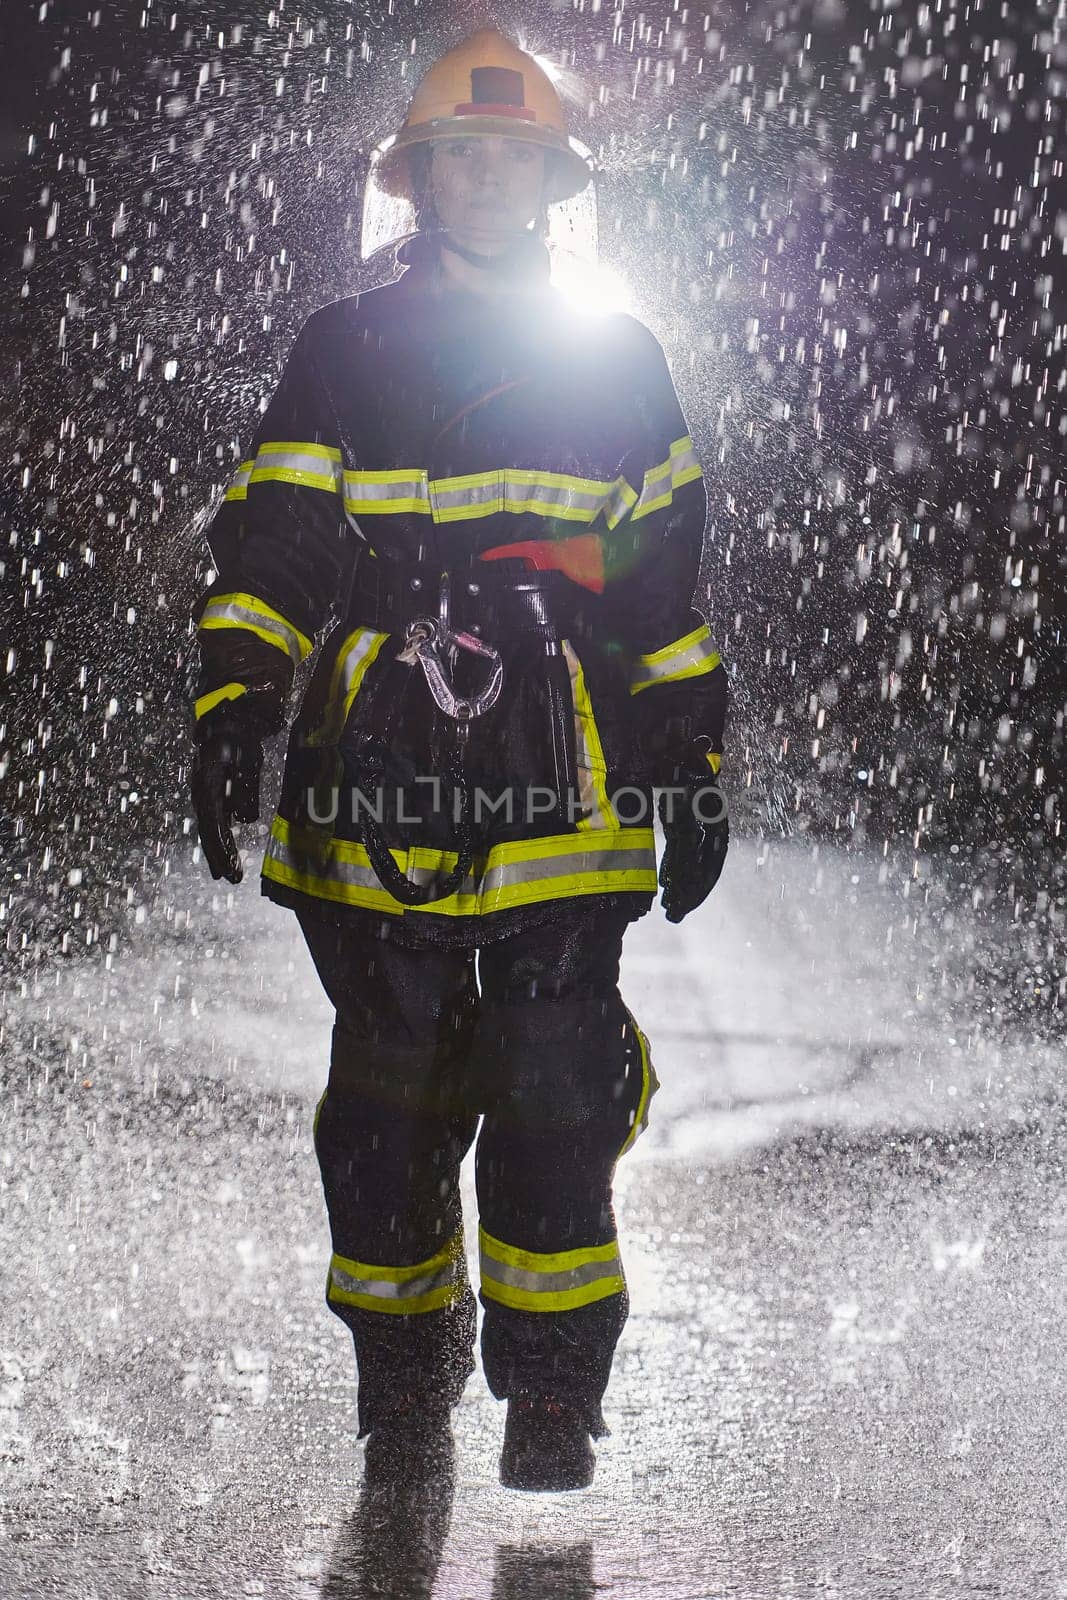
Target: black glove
[[226, 772], [225, 786], [697, 830]]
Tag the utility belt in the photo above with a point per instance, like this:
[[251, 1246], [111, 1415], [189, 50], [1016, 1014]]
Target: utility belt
[[494, 600], [439, 612]]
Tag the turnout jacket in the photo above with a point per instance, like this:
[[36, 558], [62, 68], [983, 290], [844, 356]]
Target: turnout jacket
[[416, 430]]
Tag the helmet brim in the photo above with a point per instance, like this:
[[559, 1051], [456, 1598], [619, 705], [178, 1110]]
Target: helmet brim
[[572, 166]]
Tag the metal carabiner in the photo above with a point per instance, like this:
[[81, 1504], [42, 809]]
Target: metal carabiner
[[424, 643]]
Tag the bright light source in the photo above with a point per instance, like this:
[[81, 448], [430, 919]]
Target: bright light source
[[589, 287]]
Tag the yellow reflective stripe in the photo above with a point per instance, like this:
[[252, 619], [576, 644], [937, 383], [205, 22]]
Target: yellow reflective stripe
[[246, 611], [698, 669], [381, 493], [299, 447], [516, 490], [680, 467], [530, 1281], [433, 1300], [307, 465], [621, 502], [649, 1084], [519, 490], [676, 646], [297, 476], [592, 768], [238, 489], [536, 1261], [559, 1300], [208, 702], [714, 761], [559, 866], [356, 654], [439, 1281], [687, 657]]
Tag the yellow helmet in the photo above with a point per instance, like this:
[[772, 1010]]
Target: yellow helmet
[[487, 85]]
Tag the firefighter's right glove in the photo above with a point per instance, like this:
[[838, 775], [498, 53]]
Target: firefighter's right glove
[[225, 779], [697, 829], [225, 786]]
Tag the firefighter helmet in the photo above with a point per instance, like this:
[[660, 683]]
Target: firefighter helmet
[[484, 86]]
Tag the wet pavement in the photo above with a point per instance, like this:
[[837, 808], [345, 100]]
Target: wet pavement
[[845, 1234]]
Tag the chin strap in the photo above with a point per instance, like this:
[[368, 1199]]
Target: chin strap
[[498, 263], [526, 256]]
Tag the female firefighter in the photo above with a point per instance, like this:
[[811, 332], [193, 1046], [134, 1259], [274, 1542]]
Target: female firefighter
[[496, 499]]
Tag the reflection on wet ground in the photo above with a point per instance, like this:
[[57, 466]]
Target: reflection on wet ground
[[842, 1373]]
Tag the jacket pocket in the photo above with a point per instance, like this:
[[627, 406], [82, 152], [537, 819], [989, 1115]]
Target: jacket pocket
[[324, 763], [596, 808], [358, 652]]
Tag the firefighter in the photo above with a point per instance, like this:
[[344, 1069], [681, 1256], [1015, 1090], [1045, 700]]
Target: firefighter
[[495, 499]]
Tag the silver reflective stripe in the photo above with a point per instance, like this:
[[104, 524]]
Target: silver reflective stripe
[[357, 657], [619, 502], [546, 494], [685, 463], [561, 498], [341, 870], [469, 497], [681, 466], [386, 492], [387, 1289], [238, 489], [229, 612], [549, 1282], [603, 863], [496, 879], [304, 468], [592, 769], [694, 653]]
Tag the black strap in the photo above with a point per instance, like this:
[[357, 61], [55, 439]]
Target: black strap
[[371, 763], [497, 604]]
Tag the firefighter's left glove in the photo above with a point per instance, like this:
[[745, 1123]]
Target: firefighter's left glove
[[696, 825]]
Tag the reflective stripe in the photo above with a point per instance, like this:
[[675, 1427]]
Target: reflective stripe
[[681, 466], [687, 657], [208, 702], [620, 502], [379, 493], [649, 1085], [529, 1281], [714, 761], [547, 494], [245, 611], [558, 867], [357, 652], [482, 494], [238, 489], [307, 465], [428, 1285], [592, 768]]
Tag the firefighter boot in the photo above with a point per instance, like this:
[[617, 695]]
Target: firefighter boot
[[546, 1446], [412, 1446]]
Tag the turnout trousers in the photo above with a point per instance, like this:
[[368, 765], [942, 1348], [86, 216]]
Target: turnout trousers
[[540, 1049]]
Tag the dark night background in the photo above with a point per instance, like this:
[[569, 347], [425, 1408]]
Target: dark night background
[[846, 223]]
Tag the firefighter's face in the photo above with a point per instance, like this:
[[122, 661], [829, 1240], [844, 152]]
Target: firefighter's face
[[487, 188]]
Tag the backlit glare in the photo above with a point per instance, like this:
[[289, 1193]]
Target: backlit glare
[[589, 287]]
